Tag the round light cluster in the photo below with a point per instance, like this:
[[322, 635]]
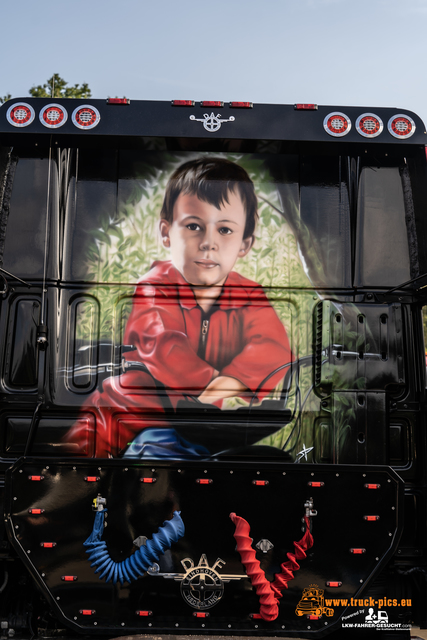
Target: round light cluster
[[86, 117], [401, 126], [53, 116], [337, 124], [20, 114], [369, 125]]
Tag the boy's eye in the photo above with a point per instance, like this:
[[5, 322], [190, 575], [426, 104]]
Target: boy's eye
[[193, 226], [225, 231]]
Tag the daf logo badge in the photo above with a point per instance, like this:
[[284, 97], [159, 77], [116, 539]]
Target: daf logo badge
[[212, 122], [202, 587]]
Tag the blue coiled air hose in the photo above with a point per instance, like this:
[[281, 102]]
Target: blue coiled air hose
[[138, 563]]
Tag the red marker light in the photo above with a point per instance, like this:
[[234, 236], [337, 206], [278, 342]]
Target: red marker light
[[301, 106], [211, 103], [35, 512], [260, 483], [144, 614], [241, 105], [316, 484], [48, 545], [255, 616], [183, 103], [204, 481], [148, 480], [200, 614], [313, 617], [118, 101], [69, 578], [372, 486], [92, 478], [36, 478], [358, 552], [334, 584], [371, 518], [87, 612], [401, 126]]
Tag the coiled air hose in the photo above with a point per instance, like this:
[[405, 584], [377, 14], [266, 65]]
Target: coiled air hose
[[138, 563]]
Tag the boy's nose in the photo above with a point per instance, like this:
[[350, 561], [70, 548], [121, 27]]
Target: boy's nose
[[208, 243]]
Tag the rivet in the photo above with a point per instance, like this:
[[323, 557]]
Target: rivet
[[312, 474], [176, 624], [16, 526], [393, 508], [43, 575], [75, 617], [125, 469], [123, 624], [58, 598], [203, 624], [231, 471], [99, 469], [15, 498], [179, 470], [205, 471], [95, 623], [337, 475], [364, 475], [308, 626], [360, 580], [229, 626], [389, 480], [47, 467], [20, 470], [283, 626], [326, 623], [150, 624], [256, 626], [29, 551], [283, 473], [74, 468], [258, 472], [377, 559], [390, 534]]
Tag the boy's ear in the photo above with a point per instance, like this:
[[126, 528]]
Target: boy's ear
[[246, 246], [164, 227]]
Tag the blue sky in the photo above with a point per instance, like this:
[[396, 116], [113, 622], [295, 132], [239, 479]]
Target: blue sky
[[338, 52]]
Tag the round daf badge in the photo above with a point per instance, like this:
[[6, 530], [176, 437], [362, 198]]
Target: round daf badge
[[53, 116], [20, 114], [369, 125], [401, 126], [337, 124], [86, 117]]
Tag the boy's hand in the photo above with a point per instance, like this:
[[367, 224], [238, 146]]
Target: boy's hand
[[221, 387]]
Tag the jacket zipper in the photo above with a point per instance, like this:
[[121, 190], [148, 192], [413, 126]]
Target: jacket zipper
[[205, 329]]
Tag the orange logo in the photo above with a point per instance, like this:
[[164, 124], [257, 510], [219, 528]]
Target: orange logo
[[312, 603]]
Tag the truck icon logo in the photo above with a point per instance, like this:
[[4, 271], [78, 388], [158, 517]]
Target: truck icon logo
[[312, 603]]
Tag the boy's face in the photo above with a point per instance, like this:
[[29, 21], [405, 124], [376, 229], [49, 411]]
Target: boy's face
[[204, 241]]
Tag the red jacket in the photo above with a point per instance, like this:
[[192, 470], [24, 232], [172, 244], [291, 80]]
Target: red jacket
[[243, 339]]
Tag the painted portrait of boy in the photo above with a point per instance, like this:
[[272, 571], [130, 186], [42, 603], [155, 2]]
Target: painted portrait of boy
[[201, 329]]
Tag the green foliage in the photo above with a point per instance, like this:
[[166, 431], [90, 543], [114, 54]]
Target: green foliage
[[57, 87], [5, 98]]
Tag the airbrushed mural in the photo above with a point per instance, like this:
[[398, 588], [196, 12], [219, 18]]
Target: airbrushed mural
[[211, 274]]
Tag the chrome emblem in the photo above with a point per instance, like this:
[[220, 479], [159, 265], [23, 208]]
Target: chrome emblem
[[212, 122], [202, 587], [303, 453]]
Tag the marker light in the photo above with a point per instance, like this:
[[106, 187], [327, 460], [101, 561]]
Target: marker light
[[211, 103], [86, 117], [300, 106], [118, 101], [371, 518], [260, 483], [372, 486], [144, 614], [48, 545], [204, 481], [241, 105], [53, 116], [36, 512], [148, 480], [200, 614], [316, 484], [337, 124], [36, 478], [69, 578], [358, 552], [87, 612], [369, 125], [183, 103], [92, 478], [255, 616], [20, 114], [401, 126], [334, 584]]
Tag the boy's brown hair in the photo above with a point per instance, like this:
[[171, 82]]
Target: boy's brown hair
[[211, 180]]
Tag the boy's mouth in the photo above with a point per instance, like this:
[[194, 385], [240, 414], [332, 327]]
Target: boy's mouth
[[206, 264]]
